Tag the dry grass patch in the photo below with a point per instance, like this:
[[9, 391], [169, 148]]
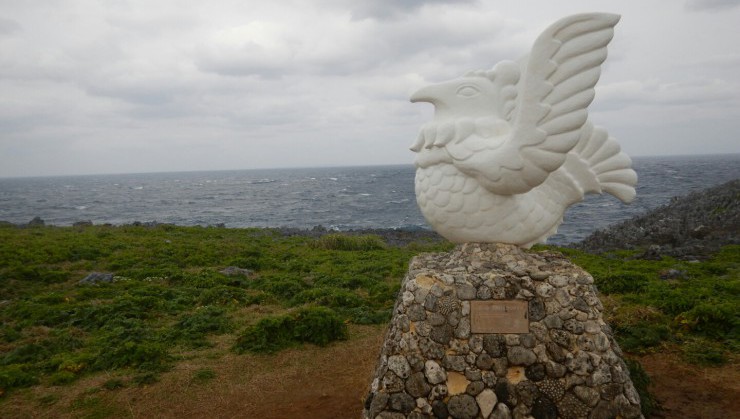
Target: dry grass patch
[[308, 381]]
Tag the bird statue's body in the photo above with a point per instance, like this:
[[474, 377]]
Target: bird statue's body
[[509, 149]]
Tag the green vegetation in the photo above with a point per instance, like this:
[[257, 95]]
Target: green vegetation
[[641, 381], [317, 325], [203, 375], [168, 297], [649, 303], [344, 242]]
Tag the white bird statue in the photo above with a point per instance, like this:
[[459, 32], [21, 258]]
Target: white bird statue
[[509, 149]]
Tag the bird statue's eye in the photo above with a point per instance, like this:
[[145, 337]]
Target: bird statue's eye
[[467, 91]]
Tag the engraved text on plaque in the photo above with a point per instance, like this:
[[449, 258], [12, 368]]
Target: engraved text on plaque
[[499, 316]]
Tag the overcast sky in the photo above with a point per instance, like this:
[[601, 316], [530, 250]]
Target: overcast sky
[[147, 86]]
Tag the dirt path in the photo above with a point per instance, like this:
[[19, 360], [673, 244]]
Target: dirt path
[[320, 383], [691, 392]]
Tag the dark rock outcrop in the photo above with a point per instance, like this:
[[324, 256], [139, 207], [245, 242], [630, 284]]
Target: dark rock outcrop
[[694, 226]]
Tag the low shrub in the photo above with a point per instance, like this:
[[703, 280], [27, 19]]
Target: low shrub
[[145, 378], [62, 377], [114, 383], [206, 278], [329, 297], [641, 380], [641, 336], [704, 352], [367, 315], [129, 343], [204, 374], [192, 328], [621, 283], [224, 295], [351, 243], [718, 321], [15, 376], [317, 325], [282, 286], [269, 334]]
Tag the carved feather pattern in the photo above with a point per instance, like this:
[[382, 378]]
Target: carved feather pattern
[[511, 148]]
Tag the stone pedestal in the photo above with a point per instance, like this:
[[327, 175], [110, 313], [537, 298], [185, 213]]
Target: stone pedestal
[[493, 331]]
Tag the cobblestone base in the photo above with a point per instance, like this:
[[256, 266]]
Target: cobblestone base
[[432, 366]]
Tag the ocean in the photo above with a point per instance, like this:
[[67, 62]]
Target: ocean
[[340, 198]]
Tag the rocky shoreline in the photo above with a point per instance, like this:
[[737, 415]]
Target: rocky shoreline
[[391, 236], [690, 227]]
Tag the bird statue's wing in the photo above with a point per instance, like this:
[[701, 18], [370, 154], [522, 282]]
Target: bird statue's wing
[[556, 86]]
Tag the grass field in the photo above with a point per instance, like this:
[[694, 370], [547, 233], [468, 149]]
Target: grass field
[[169, 318]]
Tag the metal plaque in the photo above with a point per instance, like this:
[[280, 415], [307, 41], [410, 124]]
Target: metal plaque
[[499, 316]]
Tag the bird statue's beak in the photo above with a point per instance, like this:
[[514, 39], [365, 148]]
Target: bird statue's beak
[[425, 94]]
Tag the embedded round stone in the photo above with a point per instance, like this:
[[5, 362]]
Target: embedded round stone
[[462, 406], [544, 408], [439, 392], [580, 305], [430, 349], [439, 409], [434, 373], [553, 321], [466, 292], [462, 331], [574, 326], [436, 319], [494, 345], [570, 406], [587, 395], [402, 402], [484, 293], [441, 334], [454, 362], [416, 362], [486, 401], [447, 304], [554, 389], [521, 356], [504, 391], [378, 403], [561, 337], [423, 328], [392, 383], [484, 361], [416, 313], [539, 275], [556, 353], [417, 385], [475, 387], [611, 391], [390, 415], [537, 310], [535, 372], [399, 365], [501, 412]]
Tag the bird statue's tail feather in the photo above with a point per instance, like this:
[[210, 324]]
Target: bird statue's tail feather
[[604, 158]]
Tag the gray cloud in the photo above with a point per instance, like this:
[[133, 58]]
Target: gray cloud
[[387, 9], [9, 26], [711, 5], [170, 85]]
